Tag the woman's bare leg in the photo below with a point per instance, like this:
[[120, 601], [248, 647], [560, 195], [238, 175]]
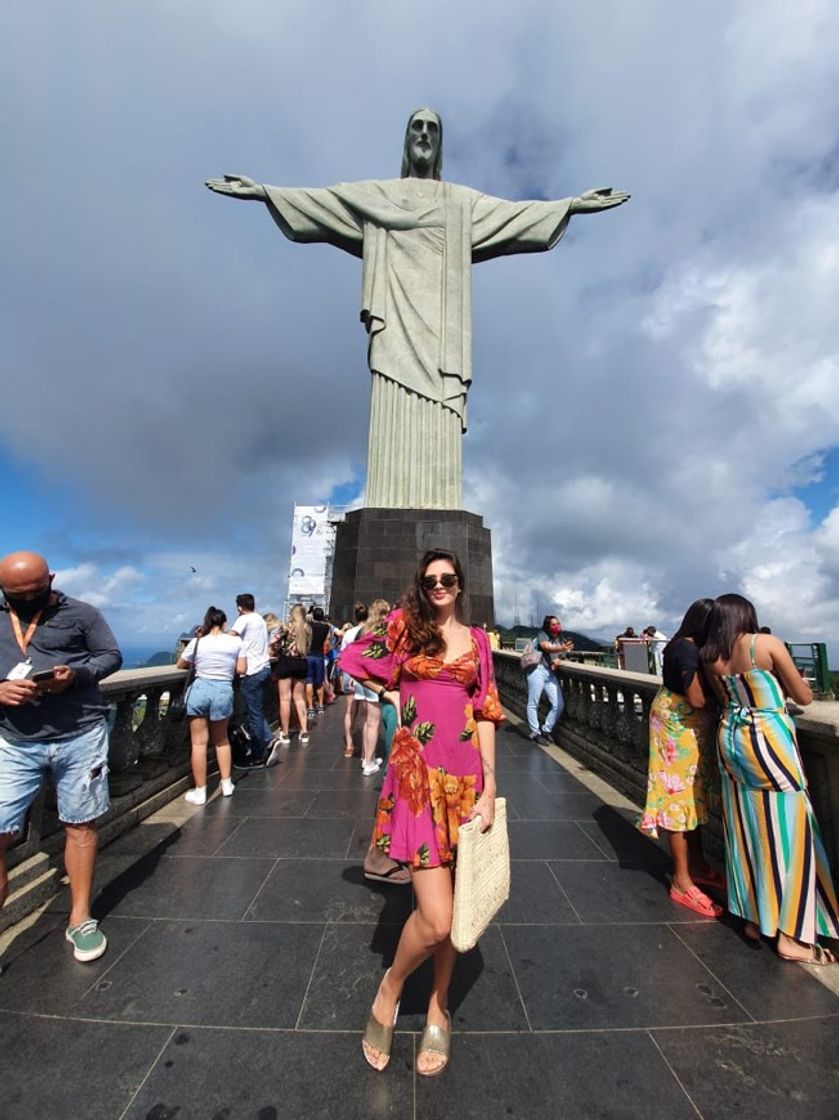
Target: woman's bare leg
[[285, 704], [370, 732], [350, 710], [680, 853], [299, 696], [198, 738], [218, 737], [425, 932], [696, 854]]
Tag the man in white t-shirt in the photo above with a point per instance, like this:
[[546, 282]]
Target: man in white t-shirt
[[251, 628], [657, 642]]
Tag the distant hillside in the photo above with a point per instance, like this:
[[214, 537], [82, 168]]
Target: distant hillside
[[162, 657], [580, 640]]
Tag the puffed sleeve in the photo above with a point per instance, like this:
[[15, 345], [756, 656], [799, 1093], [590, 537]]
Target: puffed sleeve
[[486, 703], [378, 654], [687, 661]]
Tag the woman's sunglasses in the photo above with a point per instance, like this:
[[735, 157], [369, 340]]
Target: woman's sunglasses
[[447, 580]]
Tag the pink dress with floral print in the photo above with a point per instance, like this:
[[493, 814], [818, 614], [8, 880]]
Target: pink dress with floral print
[[434, 774]]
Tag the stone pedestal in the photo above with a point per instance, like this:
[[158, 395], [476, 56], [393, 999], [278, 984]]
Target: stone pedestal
[[377, 551]]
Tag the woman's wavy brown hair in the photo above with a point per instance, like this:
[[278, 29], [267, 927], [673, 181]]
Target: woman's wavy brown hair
[[423, 632]]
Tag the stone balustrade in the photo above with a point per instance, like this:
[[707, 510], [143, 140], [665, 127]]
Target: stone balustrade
[[605, 726], [148, 762]]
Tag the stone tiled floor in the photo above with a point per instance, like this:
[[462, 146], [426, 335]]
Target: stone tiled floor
[[245, 948]]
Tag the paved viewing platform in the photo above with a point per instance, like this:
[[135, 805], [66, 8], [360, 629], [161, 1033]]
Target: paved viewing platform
[[246, 946]]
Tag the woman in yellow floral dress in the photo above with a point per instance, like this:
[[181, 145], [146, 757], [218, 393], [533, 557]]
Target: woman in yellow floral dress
[[441, 773], [682, 773]]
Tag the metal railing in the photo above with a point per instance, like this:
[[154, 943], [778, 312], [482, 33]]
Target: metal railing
[[811, 661]]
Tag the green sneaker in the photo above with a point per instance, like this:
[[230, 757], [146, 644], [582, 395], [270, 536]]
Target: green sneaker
[[87, 939]]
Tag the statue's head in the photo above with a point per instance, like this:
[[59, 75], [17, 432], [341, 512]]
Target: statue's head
[[422, 155]]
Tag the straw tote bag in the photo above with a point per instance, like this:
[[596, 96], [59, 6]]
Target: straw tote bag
[[482, 877]]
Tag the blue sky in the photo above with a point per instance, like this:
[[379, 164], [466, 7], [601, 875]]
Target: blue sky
[[176, 374]]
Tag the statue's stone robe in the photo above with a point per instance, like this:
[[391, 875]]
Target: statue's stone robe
[[417, 239]]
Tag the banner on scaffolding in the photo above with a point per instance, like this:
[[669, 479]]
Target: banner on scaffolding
[[310, 539]]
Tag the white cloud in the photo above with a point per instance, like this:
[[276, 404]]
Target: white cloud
[[671, 367]]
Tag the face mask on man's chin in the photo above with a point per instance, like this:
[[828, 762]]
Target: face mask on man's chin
[[26, 609]]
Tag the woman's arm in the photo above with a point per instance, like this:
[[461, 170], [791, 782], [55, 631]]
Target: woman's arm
[[785, 669], [241, 666], [695, 693], [485, 805]]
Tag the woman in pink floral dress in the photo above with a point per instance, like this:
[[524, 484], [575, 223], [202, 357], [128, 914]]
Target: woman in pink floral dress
[[441, 773]]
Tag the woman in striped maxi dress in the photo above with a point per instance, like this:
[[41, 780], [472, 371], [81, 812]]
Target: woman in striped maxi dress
[[776, 867]]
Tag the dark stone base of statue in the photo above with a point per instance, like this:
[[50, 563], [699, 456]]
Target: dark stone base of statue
[[377, 551]]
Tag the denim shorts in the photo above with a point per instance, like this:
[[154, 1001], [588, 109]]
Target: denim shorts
[[79, 768], [212, 700], [315, 674]]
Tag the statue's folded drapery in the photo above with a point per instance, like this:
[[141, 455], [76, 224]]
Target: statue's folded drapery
[[418, 239]]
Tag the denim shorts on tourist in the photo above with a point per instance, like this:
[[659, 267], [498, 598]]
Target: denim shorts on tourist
[[211, 699], [79, 768], [316, 670]]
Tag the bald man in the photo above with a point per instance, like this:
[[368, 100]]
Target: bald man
[[53, 652]]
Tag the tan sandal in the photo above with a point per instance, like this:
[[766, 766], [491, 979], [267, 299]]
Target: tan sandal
[[818, 955], [379, 1037], [435, 1040]]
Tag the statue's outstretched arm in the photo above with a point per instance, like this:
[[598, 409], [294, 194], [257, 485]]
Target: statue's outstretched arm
[[238, 186], [601, 198]]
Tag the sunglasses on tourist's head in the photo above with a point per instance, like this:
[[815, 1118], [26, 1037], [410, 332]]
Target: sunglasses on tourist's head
[[447, 580]]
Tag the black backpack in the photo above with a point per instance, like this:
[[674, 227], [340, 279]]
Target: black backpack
[[240, 744]]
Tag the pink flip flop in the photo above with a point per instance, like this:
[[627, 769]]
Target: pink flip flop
[[695, 900]]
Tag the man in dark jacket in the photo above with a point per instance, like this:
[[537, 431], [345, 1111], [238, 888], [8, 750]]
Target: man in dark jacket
[[53, 652]]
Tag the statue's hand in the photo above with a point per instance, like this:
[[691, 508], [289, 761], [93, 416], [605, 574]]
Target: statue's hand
[[238, 186], [601, 198]]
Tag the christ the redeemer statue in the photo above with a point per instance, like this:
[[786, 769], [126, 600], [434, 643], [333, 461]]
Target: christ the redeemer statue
[[417, 237]]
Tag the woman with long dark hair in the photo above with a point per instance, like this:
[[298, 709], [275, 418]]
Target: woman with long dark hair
[[681, 778], [441, 773], [778, 875], [218, 658]]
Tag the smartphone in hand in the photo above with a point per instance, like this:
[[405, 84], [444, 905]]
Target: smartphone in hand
[[42, 675]]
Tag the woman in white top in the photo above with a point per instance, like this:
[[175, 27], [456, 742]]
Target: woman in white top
[[370, 763], [218, 658]]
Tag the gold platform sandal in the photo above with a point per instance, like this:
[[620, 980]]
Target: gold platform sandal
[[436, 1040], [379, 1037]]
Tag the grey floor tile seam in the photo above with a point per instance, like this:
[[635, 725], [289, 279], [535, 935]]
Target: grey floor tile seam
[[239, 1028], [565, 895], [515, 980], [350, 842], [313, 799], [348, 924], [149, 1072], [111, 964], [675, 1076], [414, 1074], [259, 889], [218, 847], [710, 971], [311, 975], [591, 839]]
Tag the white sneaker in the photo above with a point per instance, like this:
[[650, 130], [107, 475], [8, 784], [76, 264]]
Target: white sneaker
[[227, 787], [274, 757], [303, 738], [367, 769], [197, 796]]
